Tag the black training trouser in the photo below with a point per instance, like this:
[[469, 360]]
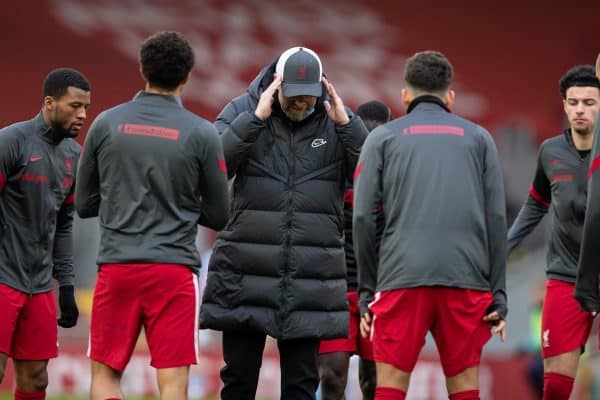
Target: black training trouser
[[243, 351]]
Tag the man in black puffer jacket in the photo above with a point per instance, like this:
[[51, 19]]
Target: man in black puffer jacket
[[278, 266]]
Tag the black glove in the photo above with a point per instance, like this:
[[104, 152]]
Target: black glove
[[500, 308], [68, 308]]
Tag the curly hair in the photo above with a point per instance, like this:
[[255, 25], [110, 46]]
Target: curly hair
[[428, 71], [580, 75], [373, 113], [58, 81], [166, 59]]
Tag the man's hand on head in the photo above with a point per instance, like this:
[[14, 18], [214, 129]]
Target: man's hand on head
[[335, 106], [265, 103]]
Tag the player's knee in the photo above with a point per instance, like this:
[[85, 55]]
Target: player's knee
[[35, 379], [333, 383], [2, 367]]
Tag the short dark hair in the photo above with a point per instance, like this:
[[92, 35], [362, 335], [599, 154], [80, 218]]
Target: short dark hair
[[428, 71], [58, 81], [373, 113], [166, 59], [580, 75]]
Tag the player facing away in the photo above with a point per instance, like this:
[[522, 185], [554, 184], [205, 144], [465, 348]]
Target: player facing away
[[38, 160], [334, 354], [151, 170], [442, 258], [560, 186]]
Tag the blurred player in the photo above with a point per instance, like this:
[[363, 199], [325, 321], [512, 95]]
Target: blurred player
[[441, 266], [586, 287], [560, 185], [38, 160], [334, 355], [152, 171]]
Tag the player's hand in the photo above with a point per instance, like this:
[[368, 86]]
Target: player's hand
[[68, 308], [264, 107], [365, 325], [335, 107], [497, 323]]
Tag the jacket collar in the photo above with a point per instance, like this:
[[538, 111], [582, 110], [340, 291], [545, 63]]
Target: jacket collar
[[48, 134], [142, 95], [426, 99]]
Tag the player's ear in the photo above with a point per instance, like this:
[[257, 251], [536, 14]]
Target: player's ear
[[449, 98], [49, 103], [406, 97]]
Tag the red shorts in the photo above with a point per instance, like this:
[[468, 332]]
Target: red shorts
[[402, 318], [564, 326], [163, 298], [354, 343], [28, 330]]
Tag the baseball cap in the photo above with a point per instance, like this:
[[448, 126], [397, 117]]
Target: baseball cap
[[300, 70]]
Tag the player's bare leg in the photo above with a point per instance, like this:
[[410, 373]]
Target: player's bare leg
[[105, 382], [333, 372], [559, 374], [392, 377], [3, 361], [367, 378], [32, 376], [173, 382], [564, 364], [464, 381]]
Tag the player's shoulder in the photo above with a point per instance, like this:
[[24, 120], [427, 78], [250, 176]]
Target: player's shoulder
[[196, 124], [553, 143], [115, 111], [18, 131], [71, 145], [469, 127]]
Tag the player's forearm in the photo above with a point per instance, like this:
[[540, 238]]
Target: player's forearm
[[528, 218], [62, 254]]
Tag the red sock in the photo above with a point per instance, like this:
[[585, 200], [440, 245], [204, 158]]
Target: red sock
[[112, 398], [466, 395], [388, 393], [19, 395], [557, 386]]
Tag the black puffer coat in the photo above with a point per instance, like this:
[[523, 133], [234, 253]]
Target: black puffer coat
[[278, 266]]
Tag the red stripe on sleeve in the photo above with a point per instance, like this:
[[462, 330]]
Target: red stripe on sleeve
[[2, 181], [538, 197], [222, 165], [70, 199], [594, 166], [357, 171]]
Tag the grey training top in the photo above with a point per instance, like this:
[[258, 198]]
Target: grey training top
[[152, 171], [37, 179], [443, 199], [560, 184]]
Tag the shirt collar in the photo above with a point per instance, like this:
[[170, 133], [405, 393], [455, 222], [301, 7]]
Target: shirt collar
[[427, 98], [142, 95]]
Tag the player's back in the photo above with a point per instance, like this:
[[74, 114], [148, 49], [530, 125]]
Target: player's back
[[150, 154], [434, 201]]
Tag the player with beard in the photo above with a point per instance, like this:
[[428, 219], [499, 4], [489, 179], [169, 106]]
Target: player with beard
[[560, 185], [38, 160]]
